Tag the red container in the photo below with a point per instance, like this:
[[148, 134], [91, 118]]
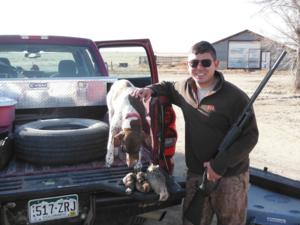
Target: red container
[[7, 112]]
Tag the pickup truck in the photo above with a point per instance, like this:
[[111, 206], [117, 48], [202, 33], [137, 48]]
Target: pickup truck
[[52, 171]]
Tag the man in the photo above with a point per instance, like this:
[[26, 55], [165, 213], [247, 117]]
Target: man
[[210, 106]]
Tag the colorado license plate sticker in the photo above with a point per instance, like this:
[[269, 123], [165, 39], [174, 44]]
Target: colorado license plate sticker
[[45, 209]]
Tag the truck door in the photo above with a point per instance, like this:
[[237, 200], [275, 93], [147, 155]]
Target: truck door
[[135, 61]]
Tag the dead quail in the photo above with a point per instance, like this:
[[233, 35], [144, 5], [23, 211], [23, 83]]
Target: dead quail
[[157, 181], [142, 185], [129, 182]]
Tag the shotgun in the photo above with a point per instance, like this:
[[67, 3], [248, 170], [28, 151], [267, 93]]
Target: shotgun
[[193, 212]]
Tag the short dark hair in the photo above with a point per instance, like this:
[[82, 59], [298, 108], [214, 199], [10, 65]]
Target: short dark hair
[[203, 47]]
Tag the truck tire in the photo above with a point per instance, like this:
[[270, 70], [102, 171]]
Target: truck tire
[[61, 141]]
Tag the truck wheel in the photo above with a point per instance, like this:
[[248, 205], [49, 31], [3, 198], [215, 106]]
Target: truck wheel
[[61, 141]]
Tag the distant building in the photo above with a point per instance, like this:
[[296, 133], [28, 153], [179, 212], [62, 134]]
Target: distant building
[[248, 50], [244, 50]]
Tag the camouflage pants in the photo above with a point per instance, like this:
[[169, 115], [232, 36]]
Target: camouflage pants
[[228, 201]]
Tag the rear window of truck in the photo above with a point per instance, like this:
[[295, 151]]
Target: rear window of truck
[[46, 61]]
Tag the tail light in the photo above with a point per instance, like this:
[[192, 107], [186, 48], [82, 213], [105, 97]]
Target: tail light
[[170, 137], [165, 130], [170, 131]]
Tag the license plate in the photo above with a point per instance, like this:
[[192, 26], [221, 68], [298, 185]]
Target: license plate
[[45, 209]]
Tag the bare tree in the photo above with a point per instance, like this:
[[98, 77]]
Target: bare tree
[[289, 12]]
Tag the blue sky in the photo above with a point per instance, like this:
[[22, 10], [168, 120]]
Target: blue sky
[[171, 25]]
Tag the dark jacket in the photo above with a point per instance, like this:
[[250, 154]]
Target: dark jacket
[[207, 122]]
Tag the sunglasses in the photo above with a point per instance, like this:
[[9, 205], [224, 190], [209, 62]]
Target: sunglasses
[[204, 62]]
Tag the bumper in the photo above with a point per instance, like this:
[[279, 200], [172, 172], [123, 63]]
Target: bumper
[[100, 192]]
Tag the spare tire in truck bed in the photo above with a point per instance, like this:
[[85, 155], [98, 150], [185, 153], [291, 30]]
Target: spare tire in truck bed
[[61, 141]]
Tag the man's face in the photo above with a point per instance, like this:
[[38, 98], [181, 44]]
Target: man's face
[[202, 68]]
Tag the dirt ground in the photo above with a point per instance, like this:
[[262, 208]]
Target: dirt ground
[[277, 111]]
